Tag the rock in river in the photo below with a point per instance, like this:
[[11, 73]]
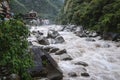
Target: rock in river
[[81, 63], [59, 52], [45, 66]]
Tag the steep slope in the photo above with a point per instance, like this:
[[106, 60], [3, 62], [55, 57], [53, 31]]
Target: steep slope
[[101, 15], [45, 8]]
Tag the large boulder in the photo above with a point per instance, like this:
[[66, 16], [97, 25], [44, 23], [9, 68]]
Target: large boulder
[[72, 74], [37, 33], [38, 69], [52, 34], [85, 75], [55, 37], [53, 50], [43, 40], [81, 63], [59, 52], [59, 39], [65, 57], [50, 49], [45, 65]]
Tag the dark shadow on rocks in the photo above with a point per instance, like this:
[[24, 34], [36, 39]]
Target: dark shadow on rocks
[[44, 65]]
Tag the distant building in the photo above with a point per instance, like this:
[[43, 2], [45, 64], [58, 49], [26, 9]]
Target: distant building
[[5, 8], [31, 15]]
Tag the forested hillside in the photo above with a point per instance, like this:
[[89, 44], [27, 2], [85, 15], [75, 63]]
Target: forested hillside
[[45, 8], [100, 15]]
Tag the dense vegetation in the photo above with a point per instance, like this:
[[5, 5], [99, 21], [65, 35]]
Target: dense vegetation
[[45, 8], [14, 48], [100, 15]]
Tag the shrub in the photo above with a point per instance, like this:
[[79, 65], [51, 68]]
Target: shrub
[[14, 48]]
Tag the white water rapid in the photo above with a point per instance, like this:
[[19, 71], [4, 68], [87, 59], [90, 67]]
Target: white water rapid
[[103, 61]]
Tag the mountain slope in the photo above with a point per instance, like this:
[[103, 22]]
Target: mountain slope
[[100, 15], [45, 8]]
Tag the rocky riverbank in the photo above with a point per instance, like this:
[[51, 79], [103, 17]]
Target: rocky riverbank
[[79, 56]]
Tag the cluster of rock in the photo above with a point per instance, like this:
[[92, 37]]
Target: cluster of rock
[[61, 52], [81, 32], [45, 66], [83, 70], [54, 37]]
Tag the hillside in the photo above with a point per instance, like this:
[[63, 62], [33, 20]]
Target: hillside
[[45, 8], [100, 15]]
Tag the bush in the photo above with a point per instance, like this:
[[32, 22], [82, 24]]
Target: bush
[[14, 48]]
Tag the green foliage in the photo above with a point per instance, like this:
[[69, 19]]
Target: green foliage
[[102, 15], [45, 8], [14, 48]]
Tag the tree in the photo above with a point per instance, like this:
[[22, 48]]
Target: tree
[[100, 15]]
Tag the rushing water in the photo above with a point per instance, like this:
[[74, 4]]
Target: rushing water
[[103, 61]]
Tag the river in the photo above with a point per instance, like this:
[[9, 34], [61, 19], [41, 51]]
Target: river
[[102, 57]]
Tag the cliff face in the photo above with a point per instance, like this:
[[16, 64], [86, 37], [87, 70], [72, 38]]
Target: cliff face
[[45, 8]]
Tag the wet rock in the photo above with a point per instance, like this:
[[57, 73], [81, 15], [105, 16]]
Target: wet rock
[[38, 69], [51, 41], [50, 49], [72, 74], [85, 75], [81, 34], [81, 63], [65, 57], [43, 41], [52, 34], [54, 37], [45, 65], [59, 39], [59, 52], [92, 34], [63, 28], [53, 50], [47, 48], [71, 28], [40, 33], [66, 28], [90, 39], [34, 32], [37, 33]]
